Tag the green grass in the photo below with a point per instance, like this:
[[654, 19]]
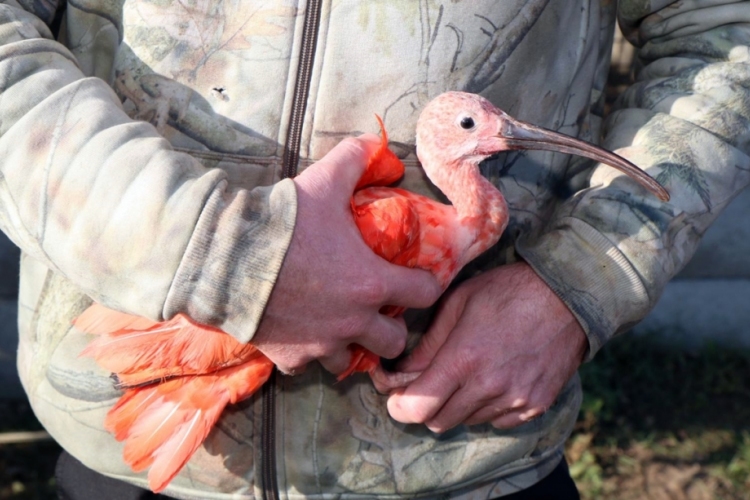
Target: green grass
[[663, 423]]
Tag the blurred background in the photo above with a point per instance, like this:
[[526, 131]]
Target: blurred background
[[666, 407]]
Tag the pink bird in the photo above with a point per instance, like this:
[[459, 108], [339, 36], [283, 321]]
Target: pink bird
[[178, 375]]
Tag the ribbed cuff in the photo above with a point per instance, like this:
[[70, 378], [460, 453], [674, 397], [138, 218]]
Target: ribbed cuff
[[594, 279], [234, 258]]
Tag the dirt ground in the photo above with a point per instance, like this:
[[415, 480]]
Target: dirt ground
[[663, 424]]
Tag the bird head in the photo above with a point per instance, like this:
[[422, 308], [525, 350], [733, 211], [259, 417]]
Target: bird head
[[457, 128]]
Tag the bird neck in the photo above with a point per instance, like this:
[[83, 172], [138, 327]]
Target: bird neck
[[479, 205]]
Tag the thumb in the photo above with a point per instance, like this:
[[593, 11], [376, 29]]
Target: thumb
[[445, 321], [345, 163]]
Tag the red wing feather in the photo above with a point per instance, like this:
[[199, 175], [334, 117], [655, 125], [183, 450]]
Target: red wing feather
[[390, 226]]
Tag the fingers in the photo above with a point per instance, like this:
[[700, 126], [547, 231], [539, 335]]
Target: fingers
[[444, 410], [443, 399], [370, 142], [442, 325], [487, 359], [422, 399], [460, 385], [442, 373], [411, 288], [338, 362], [386, 337], [346, 162], [462, 408], [505, 412], [386, 382], [292, 371], [438, 405], [288, 363], [515, 417]]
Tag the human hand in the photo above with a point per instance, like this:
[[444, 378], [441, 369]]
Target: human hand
[[500, 349], [332, 285]]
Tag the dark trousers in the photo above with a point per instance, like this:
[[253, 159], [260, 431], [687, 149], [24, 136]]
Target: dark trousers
[[557, 486], [77, 482]]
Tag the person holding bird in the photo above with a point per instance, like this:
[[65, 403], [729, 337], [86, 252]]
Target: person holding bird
[[171, 160]]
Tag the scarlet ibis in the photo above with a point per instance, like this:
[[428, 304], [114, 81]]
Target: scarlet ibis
[[179, 375]]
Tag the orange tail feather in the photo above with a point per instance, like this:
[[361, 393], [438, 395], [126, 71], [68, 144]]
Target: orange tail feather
[[141, 351], [164, 424], [98, 320], [198, 370]]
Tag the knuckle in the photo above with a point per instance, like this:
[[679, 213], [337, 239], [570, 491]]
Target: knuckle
[[351, 144], [506, 422], [294, 365], [486, 385], [532, 414], [416, 411], [348, 329], [292, 370], [419, 416], [467, 366], [302, 360], [428, 290], [373, 290], [395, 347], [325, 352], [316, 351], [519, 402]]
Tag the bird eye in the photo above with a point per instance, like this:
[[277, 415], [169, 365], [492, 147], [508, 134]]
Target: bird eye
[[467, 123]]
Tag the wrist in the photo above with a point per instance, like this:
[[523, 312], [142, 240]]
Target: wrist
[[558, 315]]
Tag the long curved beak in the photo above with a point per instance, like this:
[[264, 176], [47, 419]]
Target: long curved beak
[[521, 135]]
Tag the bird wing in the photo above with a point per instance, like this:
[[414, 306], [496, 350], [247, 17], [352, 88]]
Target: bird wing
[[389, 223], [406, 229], [410, 230], [163, 424], [139, 351]]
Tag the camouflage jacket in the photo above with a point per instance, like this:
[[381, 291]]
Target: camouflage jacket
[[141, 158]]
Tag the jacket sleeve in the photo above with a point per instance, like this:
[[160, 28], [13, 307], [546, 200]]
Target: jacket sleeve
[[611, 248], [105, 201]]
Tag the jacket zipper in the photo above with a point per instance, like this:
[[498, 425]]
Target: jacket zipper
[[290, 165], [301, 88], [268, 440]]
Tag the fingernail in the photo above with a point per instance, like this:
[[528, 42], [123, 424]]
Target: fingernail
[[529, 415]]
